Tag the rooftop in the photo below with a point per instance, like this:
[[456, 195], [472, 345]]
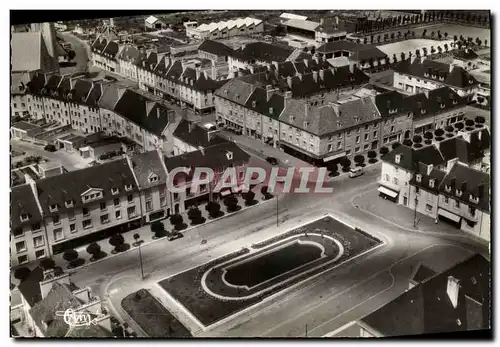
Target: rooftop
[[195, 136]]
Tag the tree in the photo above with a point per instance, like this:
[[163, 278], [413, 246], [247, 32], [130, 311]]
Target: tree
[[433, 34], [459, 126], [313, 50], [417, 139], [440, 50], [71, 55], [449, 128], [486, 43], [94, 249], [446, 47], [392, 36], [116, 241], [372, 154], [417, 52], [249, 198], [359, 159], [455, 38], [70, 256], [47, 263], [428, 135], [22, 273], [231, 203], [399, 34], [395, 145], [445, 35], [403, 56], [394, 58], [194, 214], [176, 219], [469, 122], [424, 33], [433, 50], [407, 142], [480, 119], [439, 132], [384, 150], [137, 237], [365, 40], [213, 209], [158, 229], [345, 162], [413, 34]]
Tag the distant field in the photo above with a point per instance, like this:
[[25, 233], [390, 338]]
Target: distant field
[[411, 45]]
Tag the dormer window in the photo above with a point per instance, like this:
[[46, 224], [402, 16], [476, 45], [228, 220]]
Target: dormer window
[[410, 114], [24, 217], [447, 188], [254, 103], [69, 203], [53, 208], [392, 111], [441, 78], [434, 76], [426, 74], [471, 81], [292, 119], [431, 183], [442, 105], [423, 111], [306, 124], [458, 192], [128, 187], [115, 191], [473, 198], [398, 158], [419, 178], [153, 178], [455, 101], [229, 155]]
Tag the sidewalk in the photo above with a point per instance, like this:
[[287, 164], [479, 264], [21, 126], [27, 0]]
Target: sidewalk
[[372, 203], [263, 151], [147, 236]]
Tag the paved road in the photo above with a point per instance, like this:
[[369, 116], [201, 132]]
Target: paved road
[[321, 303], [82, 54], [69, 161]]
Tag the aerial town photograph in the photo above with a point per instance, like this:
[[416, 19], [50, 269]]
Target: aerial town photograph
[[251, 174]]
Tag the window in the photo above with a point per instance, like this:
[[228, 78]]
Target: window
[[118, 214], [392, 128], [147, 193], [20, 246], [387, 178], [163, 200], [457, 204], [104, 218], [22, 259], [149, 205], [38, 241], [348, 152], [419, 178], [366, 147], [357, 139], [87, 223], [85, 211], [58, 234], [339, 145], [472, 211], [395, 180], [130, 198], [40, 254], [428, 207], [72, 227], [330, 147], [24, 217], [35, 227], [128, 187], [366, 137], [153, 178], [69, 203], [446, 200], [348, 133], [131, 211], [357, 149], [115, 191], [417, 190], [56, 220], [53, 207], [176, 196], [103, 206]]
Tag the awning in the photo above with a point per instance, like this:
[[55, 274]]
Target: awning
[[225, 192], [387, 192], [449, 215], [335, 156]]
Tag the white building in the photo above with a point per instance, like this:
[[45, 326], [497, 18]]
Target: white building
[[225, 29]]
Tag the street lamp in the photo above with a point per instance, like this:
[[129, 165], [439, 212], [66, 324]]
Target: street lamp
[[415, 215], [140, 261]]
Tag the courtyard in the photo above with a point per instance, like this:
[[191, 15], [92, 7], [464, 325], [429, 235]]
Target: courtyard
[[239, 280]]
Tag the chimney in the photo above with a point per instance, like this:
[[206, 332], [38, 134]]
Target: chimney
[[322, 74], [451, 68], [351, 67], [306, 62], [450, 163], [210, 135], [305, 105], [190, 126], [271, 110], [429, 169], [412, 58], [452, 290], [269, 91], [288, 95], [289, 81], [479, 135], [315, 76]]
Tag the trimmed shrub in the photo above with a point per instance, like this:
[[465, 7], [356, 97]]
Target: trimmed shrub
[[359, 159], [384, 150], [372, 154], [459, 126], [439, 132], [395, 145], [22, 273], [439, 138], [47, 263], [417, 139], [417, 145], [469, 122], [480, 120], [407, 142], [428, 135]]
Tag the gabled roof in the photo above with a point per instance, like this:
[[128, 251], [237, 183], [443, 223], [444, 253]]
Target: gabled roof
[[302, 24], [262, 51], [81, 90], [145, 164], [22, 125], [198, 136], [436, 71], [214, 157], [286, 15], [409, 158], [59, 298], [470, 182], [130, 53], [215, 47], [358, 51], [70, 185], [151, 20], [390, 101], [94, 94], [111, 49], [109, 96], [134, 107], [426, 308], [271, 108], [423, 273], [22, 200], [30, 287], [435, 174]]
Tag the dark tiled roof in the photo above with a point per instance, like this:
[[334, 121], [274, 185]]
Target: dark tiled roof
[[423, 273], [149, 62], [262, 51], [88, 331], [470, 182], [426, 308], [52, 83], [70, 185], [457, 147], [258, 102], [435, 174], [359, 51], [94, 94], [37, 83], [22, 125], [214, 157], [409, 158], [111, 49], [198, 136], [145, 164], [59, 298], [22, 200], [99, 44], [30, 288], [175, 71], [135, 108], [131, 54], [436, 71], [109, 96], [215, 47], [392, 100], [81, 90]]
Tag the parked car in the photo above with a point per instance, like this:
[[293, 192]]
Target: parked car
[[175, 236], [272, 160], [50, 148], [355, 172]]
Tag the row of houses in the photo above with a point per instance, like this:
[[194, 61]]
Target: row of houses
[[92, 107], [68, 210], [225, 29], [324, 115], [446, 181]]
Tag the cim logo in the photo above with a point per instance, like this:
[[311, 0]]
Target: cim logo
[[76, 319]]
